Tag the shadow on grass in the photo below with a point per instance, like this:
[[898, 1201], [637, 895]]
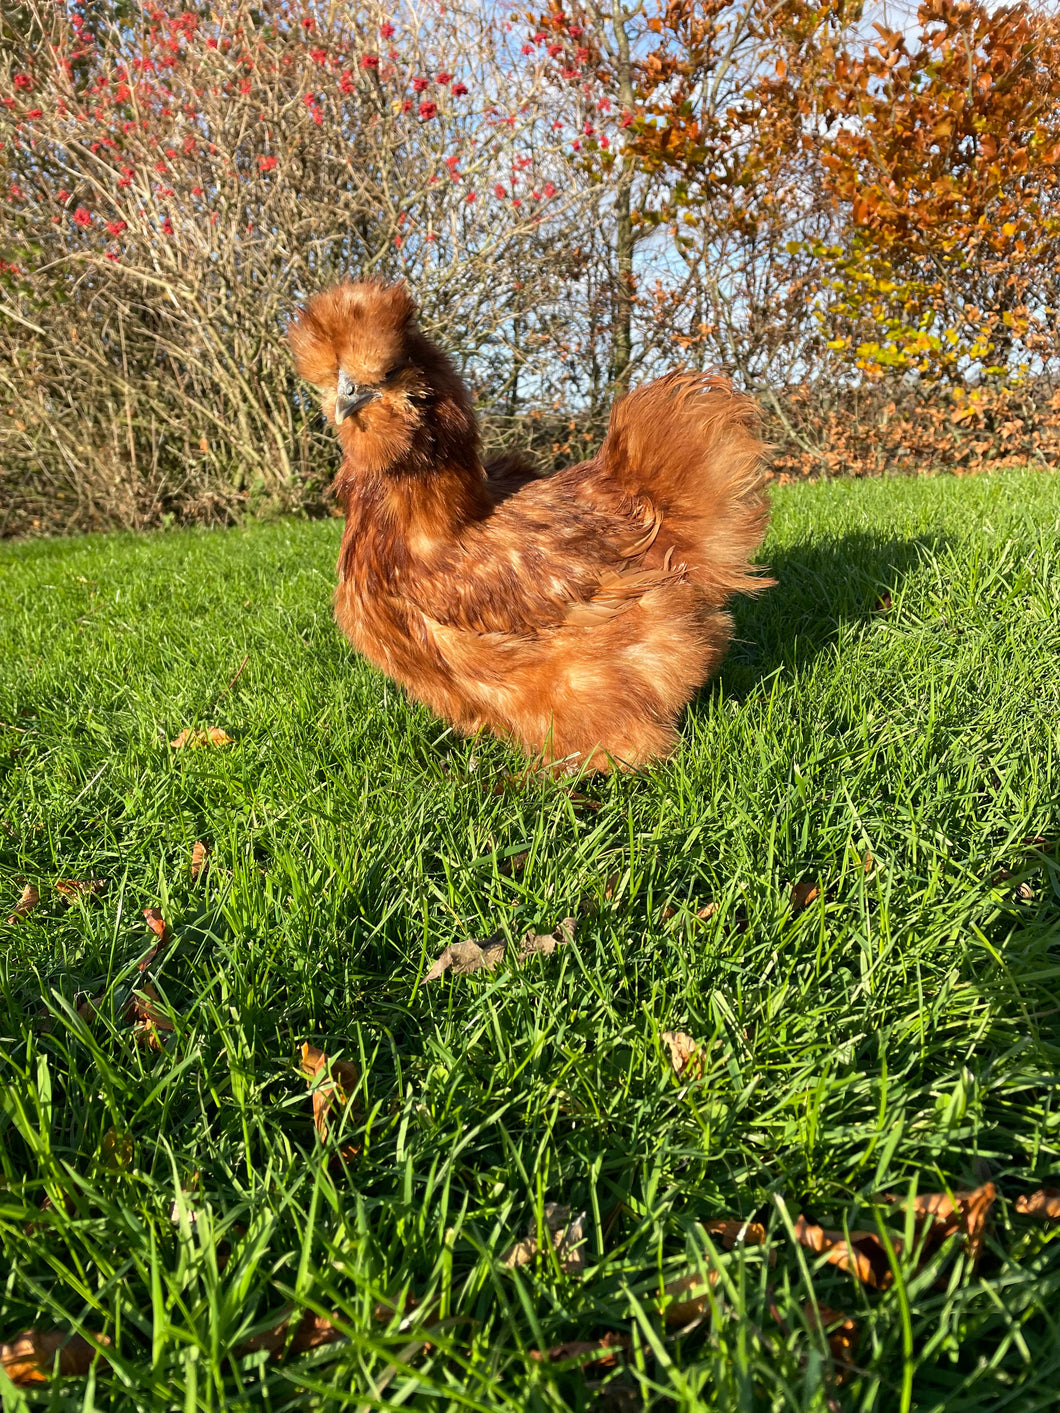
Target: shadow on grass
[[821, 584]]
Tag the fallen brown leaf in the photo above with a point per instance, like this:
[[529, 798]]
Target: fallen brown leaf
[[311, 1331], [157, 923], [689, 1298], [939, 1216], [344, 1079], [463, 958], [803, 894], [706, 912], [199, 854], [604, 1353], [863, 1255], [868, 863], [547, 942], [194, 737], [883, 602], [144, 1007], [30, 1357], [731, 1233], [686, 1055], [87, 1008], [73, 888], [568, 1239], [842, 1338], [1044, 1204], [26, 903]]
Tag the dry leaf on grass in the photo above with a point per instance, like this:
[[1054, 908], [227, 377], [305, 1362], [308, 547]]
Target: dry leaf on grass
[[73, 888], [686, 1054], [883, 602], [604, 1353], [840, 1331], [311, 1331], [194, 737], [863, 1255], [199, 854], [344, 1079], [689, 1298], [30, 1357], [546, 943], [1043, 1204], [26, 903], [568, 1239], [938, 1216], [157, 923], [144, 1007], [738, 1233], [804, 893], [868, 863], [463, 958], [706, 912]]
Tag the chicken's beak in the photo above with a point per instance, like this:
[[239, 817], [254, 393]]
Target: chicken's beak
[[349, 399]]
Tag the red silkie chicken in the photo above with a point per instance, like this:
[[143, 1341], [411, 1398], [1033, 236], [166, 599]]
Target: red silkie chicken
[[574, 615]]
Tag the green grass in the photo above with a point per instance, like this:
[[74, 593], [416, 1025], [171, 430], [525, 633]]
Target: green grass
[[902, 1030]]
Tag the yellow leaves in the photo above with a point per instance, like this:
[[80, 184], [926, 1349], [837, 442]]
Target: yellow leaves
[[30, 1358], [342, 1079], [195, 737]]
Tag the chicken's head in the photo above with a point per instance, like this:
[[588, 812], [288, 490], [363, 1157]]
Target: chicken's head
[[385, 386]]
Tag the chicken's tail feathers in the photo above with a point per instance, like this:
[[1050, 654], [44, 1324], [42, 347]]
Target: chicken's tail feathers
[[691, 444]]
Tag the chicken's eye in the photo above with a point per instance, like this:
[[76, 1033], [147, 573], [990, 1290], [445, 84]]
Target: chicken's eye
[[393, 372]]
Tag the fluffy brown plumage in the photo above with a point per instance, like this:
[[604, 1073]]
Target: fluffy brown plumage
[[574, 615]]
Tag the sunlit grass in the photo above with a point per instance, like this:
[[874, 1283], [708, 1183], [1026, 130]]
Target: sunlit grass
[[904, 1028]]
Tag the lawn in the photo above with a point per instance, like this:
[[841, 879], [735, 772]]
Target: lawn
[[842, 888]]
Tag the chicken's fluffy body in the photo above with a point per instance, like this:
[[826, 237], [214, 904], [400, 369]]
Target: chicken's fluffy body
[[574, 615]]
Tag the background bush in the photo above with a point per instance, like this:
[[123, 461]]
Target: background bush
[[861, 223]]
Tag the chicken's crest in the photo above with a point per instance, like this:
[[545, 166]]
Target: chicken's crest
[[395, 398]]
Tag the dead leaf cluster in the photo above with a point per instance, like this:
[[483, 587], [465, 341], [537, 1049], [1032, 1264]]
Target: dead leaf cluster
[[937, 1216], [463, 958]]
